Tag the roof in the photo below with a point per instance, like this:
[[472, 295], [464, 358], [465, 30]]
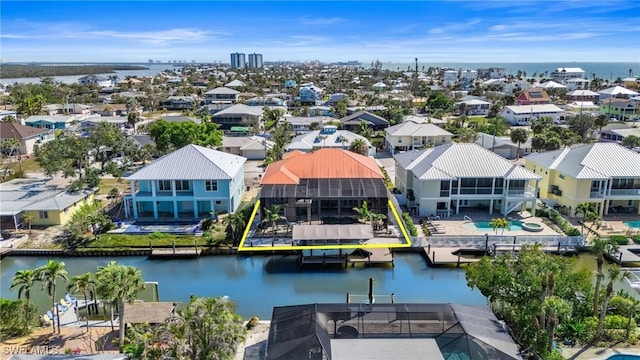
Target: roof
[[384, 349], [459, 160], [147, 312], [365, 116], [14, 130], [617, 90], [474, 102], [318, 139], [583, 93], [322, 164], [246, 142], [569, 69], [333, 232], [59, 201], [223, 91], [50, 118], [410, 128], [36, 195], [308, 120], [591, 161], [535, 94], [552, 85], [239, 109], [533, 109], [192, 162], [488, 141], [235, 83], [180, 119]]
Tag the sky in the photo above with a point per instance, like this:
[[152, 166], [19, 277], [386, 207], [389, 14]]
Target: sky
[[391, 31]]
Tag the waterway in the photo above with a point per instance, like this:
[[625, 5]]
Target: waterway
[[258, 283]]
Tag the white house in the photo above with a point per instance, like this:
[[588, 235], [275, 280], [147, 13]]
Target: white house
[[616, 91], [473, 107], [328, 137], [449, 178], [250, 147], [577, 84], [450, 77], [379, 86], [409, 135], [221, 95], [100, 81], [561, 75], [521, 114]]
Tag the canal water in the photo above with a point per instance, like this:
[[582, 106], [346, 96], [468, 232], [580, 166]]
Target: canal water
[[258, 283]]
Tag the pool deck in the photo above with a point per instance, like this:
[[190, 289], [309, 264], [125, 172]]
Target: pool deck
[[454, 225], [597, 353]]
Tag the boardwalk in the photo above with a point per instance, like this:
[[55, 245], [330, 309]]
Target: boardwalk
[[174, 253], [626, 254]]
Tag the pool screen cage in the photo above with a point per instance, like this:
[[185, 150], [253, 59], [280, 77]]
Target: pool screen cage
[[461, 332]]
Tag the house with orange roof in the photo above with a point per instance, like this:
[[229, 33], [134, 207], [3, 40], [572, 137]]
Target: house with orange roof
[[534, 96]]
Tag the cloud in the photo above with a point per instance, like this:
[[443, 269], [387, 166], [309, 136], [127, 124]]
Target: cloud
[[320, 21], [454, 27]]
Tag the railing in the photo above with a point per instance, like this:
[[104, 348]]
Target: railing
[[596, 194], [619, 192], [486, 241]]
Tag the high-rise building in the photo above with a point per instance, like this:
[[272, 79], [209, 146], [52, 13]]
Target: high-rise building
[[238, 60], [255, 61]]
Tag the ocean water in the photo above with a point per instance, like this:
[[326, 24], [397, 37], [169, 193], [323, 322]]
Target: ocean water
[[604, 70]]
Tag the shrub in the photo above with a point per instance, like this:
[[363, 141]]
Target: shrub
[[12, 315], [619, 239], [408, 222], [563, 224], [158, 235], [207, 224], [636, 238], [253, 322]]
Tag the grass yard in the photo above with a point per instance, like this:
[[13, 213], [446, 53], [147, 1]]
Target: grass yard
[[114, 241], [107, 184], [28, 165]]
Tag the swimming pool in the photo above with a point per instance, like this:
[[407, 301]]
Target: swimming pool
[[484, 226], [633, 224], [623, 357]]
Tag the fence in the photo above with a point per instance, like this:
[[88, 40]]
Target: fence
[[486, 241]]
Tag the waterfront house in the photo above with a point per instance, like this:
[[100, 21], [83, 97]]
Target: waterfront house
[[328, 137], [189, 183], [533, 96], [51, 122], [326, 183], [409, 135], [221, 95], [522, 114], [503, 146], [621, 109], [561, 75], [388, 331], [449, 178], [605, 174], [250, 147], [27, 137], [374, 122], [97, 80], [44, 201], [238, 115]]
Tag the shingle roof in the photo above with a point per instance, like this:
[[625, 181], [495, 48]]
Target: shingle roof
[[15, 130], [410, 128], [460, 160], [192, 162], [591, 161], [147, 312], [322, 164]]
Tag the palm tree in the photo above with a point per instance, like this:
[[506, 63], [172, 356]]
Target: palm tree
[[49, 274], [599, 248], [271, 216], [499, 223], [24, 280], [272, 118], [363, 211], [519, 136], [554, 308], [117, 284], [83, 283], [27, 218], [615, 274], [235, 223], [358, 146]]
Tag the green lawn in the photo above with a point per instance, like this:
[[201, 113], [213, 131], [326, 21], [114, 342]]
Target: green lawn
[[107, 184], [28, 165], [106, 241]]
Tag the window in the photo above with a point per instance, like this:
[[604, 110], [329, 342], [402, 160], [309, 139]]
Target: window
[[164, 185], [218, 202], [44, 214], [182, 185], [211, 185]]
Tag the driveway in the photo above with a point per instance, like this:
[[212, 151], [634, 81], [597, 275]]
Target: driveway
[[384, 159], [253, 171]]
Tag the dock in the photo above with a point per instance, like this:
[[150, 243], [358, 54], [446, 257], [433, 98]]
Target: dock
[[449, 256], [174, 253], [4, 252], [359, 256], [373, 256], [625, 255]]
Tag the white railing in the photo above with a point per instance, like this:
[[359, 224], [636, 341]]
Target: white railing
[[482, 242], [622, 192]]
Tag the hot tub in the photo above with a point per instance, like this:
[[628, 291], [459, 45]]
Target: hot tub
[[531, 227]]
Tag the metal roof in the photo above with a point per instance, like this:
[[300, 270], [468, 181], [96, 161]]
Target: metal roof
[[222, 91], [239, 109], [385, 349], [533, 109], [617, 90], [59, 201], [333, 232], [410, 128], [460, 160], [591, 161], [316, 139], [192, 162], [331, 188]]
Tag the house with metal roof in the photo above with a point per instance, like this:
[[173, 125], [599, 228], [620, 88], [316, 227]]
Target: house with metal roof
[[409, 331], [621, 109], [238, 115], [188, 183], [20, 139], [352, 122], [472, 107], [449, 178], [503, 146], [605, 174], [328, 137], [616, 92], [46, 203], [250, 147], [303, 124], [522, 114], [52, 122], [221, 95], [409, 135]]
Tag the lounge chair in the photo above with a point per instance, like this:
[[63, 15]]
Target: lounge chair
[[71, 299], [50, 315]]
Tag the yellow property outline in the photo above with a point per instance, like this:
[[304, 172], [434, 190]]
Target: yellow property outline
[[242, 246]]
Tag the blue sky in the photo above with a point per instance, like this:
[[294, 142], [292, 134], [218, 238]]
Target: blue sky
[[432, 31]]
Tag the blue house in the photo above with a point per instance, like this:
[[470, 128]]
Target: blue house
[[51, 122], [290, 84], [309, 94], [188, 183]]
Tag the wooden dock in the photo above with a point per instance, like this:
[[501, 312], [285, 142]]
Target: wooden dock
[[174, 253], [448, 256], [626, 255], [375, 256]]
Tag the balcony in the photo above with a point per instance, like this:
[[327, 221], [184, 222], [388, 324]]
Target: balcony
[[596, 195], [625, 192], [524, 192]]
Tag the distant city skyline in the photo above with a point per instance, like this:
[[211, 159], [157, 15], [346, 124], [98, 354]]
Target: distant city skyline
[[432, 31]]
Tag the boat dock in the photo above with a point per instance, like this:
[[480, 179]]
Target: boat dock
[[374, 256], [450, 255], [626, 254], [174, 253], [359, 256]]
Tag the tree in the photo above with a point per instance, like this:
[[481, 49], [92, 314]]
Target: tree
[[117, 284], [272, 117], [28, 219], [83, 283], [499, 223], [235, 225], [170, 136], [554, 309], [339, 108], [467, 135], [132, 119], [581, 125], [599, 248], [631, 141], [31, 105], [358, 146], [49, 274], [24, 280], [67, 154], [601, 121], [519, 136], [615, 274], [271, 216]]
